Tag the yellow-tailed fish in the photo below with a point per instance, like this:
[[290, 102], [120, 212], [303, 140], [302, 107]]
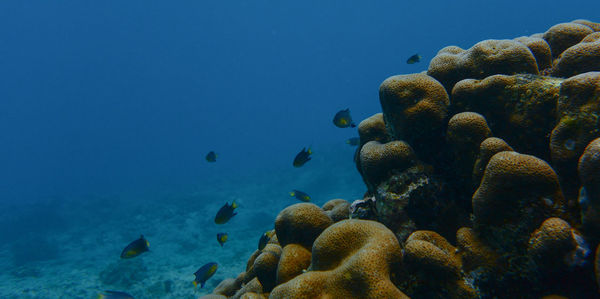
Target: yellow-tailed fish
[[342, 119], [135, 248], [414, 59], [222, 238], [211, 157], [302, 157], [225, 213], [300, 195], [204, 273]]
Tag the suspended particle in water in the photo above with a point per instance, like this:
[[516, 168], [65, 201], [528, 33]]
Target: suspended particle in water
[[570, 144]]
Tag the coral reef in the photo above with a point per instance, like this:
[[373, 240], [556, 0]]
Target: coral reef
[[350, 259], [486, 58], [495, 149], [415, 110]]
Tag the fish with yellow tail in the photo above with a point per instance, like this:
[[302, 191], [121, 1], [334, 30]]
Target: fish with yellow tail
[[204, 273], [135, 248], [225, 213]]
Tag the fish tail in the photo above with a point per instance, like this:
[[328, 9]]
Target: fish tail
[[234, 204], [195, 283], [309, 151], [292, 193]]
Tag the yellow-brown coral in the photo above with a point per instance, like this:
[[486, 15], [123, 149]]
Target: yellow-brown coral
[[415, 108], [351, 259], [379, 160], [301, 224]]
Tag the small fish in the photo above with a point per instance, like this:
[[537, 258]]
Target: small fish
[[342, 119], [114, 295], [414, 59], [225, 213], [302, 157], [204, 273], [135, 248], [264, 239], [222, 238], [211, 157], [300, 195], [354, 141]]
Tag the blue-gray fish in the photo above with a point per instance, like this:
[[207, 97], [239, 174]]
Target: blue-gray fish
[[342, 119], [300, 195], [302, 157], [414, 59], [225, 213], [211, 157], [204, 273], [135, 248], [222, 238]]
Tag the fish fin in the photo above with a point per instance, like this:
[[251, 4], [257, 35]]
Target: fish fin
[[309, 152], [234, 204], [292, 193], [195, 283], [100, 296], [352, 125], [233, 214], [202, 284]]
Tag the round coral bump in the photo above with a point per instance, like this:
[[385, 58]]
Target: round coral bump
[[486, 58], [337, 209], [488, 148], [562, 36], [351, 259], [467, 128], [430, 260], [373, 128], [265, 266], [516, 188], [301, 224], [594, 26], [414, 106], [578, 108], [589, 172], [378, 160], [540, 49], [550, 244], [580, 58], [294, 260]]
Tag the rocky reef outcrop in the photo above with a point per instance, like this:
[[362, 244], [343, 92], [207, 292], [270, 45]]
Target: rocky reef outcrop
[[482, 180]]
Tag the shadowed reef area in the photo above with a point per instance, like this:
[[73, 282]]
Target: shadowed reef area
[[482, 180]]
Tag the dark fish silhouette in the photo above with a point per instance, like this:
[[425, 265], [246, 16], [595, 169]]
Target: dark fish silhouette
[[414, 59], [342, 119], [302, 157], [225, 213], [222, 238], [300, 195], [354, 141], [135, 248], [211, 157], [264, 239], [204, 273], [114, 295]]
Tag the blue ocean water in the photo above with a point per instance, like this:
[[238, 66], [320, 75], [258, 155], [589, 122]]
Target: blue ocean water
[[107, 110]]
